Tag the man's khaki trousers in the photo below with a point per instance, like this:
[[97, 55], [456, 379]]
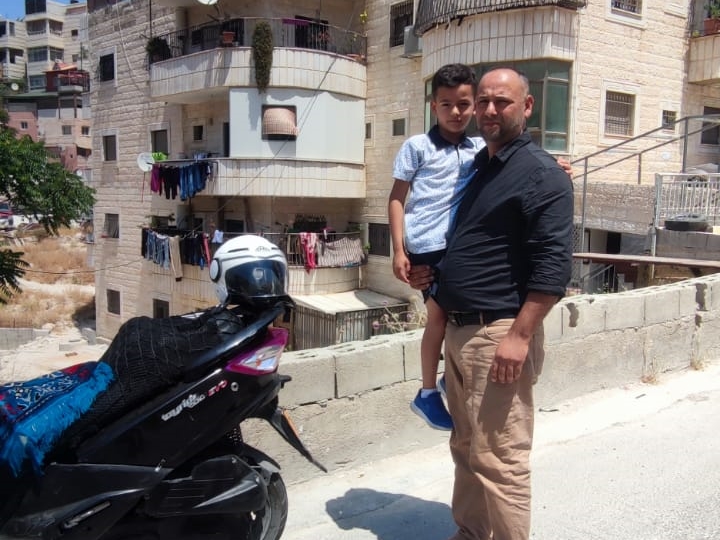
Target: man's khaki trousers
[[492, 437]]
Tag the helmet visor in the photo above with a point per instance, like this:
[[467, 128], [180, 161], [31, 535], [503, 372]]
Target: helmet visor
[[256, 279]]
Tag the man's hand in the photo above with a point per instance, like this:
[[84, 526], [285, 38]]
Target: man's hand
[[509, 358], [567, 167], [401, 266], [421, 277]]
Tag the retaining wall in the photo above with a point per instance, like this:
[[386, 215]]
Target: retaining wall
[[591, 342]]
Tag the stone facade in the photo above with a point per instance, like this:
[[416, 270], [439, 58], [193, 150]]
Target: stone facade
[[639, 56]]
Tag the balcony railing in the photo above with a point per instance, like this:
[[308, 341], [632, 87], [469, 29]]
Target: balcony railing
[[330, 250], [79, 80], [288, 32]]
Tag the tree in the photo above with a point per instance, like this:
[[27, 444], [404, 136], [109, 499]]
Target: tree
[[31, 179]]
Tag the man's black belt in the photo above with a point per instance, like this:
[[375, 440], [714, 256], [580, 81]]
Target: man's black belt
[[482, 318]]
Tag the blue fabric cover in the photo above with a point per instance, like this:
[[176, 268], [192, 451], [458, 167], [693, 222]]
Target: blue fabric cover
[[33, 414]]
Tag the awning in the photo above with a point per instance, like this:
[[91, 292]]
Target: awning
[[347, 301]]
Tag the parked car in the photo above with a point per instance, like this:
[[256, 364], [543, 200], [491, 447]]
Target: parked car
[[6, 215]]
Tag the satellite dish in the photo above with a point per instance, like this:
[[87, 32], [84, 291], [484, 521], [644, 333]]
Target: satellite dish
[[145, 161], [14, 87], [207, 2]]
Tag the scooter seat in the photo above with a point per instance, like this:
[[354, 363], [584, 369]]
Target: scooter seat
[[35, 413]]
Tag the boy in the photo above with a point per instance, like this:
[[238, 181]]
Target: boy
[[435, 168]]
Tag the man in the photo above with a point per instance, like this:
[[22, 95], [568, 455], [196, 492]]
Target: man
[[508, 261]]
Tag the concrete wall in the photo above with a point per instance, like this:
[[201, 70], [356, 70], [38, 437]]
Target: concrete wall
[[12, 338], [591, 341]]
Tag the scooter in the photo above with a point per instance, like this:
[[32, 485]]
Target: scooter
[[170, 463]]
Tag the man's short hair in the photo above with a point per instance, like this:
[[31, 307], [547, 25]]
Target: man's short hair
[[523, 78], [453, 75]]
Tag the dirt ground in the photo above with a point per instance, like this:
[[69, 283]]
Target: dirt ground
[[63, 346]]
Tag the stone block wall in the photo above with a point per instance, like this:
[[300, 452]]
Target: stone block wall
[[591, 342]]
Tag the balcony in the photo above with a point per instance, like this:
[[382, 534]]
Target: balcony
[[73, 83], [704, 60], [195, 63], [335, 267], [431, 13]]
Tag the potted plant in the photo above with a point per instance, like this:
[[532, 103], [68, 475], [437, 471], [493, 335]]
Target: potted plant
[[158, 49], [711, 25]]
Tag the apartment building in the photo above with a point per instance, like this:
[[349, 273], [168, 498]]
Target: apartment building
[[47, 89], [311, 148]]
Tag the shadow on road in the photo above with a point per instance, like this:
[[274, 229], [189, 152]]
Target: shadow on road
[[391, 516]]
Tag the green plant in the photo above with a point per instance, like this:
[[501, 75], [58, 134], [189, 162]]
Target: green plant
[[713, 9], [158, 49], [262, 51]]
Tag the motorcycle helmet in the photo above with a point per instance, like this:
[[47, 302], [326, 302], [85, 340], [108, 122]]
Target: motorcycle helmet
[[249, 271]]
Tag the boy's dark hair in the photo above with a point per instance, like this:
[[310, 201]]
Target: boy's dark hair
[[453, 75]]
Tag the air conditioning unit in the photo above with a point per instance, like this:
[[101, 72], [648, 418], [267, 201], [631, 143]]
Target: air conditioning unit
[[413, 44]]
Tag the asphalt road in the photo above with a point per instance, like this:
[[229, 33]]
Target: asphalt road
[[636, 463]]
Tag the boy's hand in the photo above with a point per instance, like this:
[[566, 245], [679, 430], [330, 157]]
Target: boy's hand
[[401, 266], [567, 167]]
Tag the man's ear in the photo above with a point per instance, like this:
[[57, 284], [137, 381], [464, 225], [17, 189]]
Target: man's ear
[[529, 101]]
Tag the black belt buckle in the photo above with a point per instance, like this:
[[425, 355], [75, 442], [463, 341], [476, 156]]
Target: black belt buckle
[[459, 318]]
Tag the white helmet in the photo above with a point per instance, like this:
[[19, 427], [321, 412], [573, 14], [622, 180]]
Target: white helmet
[[250, 271]]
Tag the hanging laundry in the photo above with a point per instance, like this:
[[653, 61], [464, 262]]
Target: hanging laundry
[[309, 240]]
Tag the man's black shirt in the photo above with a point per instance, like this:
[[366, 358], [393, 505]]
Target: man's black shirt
[[513, 232]]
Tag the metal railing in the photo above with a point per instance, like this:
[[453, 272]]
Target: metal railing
[[599, 280], [329, 250], [633, 150], [687, 195], [287, 32]]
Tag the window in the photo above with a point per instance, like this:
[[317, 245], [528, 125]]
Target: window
[[398, 127], [161, 309], [159, 141], [619, 114], [67, 130], [37, 54], [34, 28], [711, 129], [106, 68], [401, 15], [56, 54], [113, 301], [234, 225], [368, 131], [109, 148], [34, 6], [549, 85], [628, 6], [7, 28], [279, 123], [668, 119], [36, 82], [74, 33], [85, 130], [23, 125], [379, 239], [198, 133], [112, 226]]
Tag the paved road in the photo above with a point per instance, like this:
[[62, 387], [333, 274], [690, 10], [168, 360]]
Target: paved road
[[637, 463]]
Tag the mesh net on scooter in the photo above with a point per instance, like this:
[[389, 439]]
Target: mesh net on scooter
[[148, 356]]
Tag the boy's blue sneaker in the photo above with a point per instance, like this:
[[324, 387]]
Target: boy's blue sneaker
[[441, 386], [432, 410]]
